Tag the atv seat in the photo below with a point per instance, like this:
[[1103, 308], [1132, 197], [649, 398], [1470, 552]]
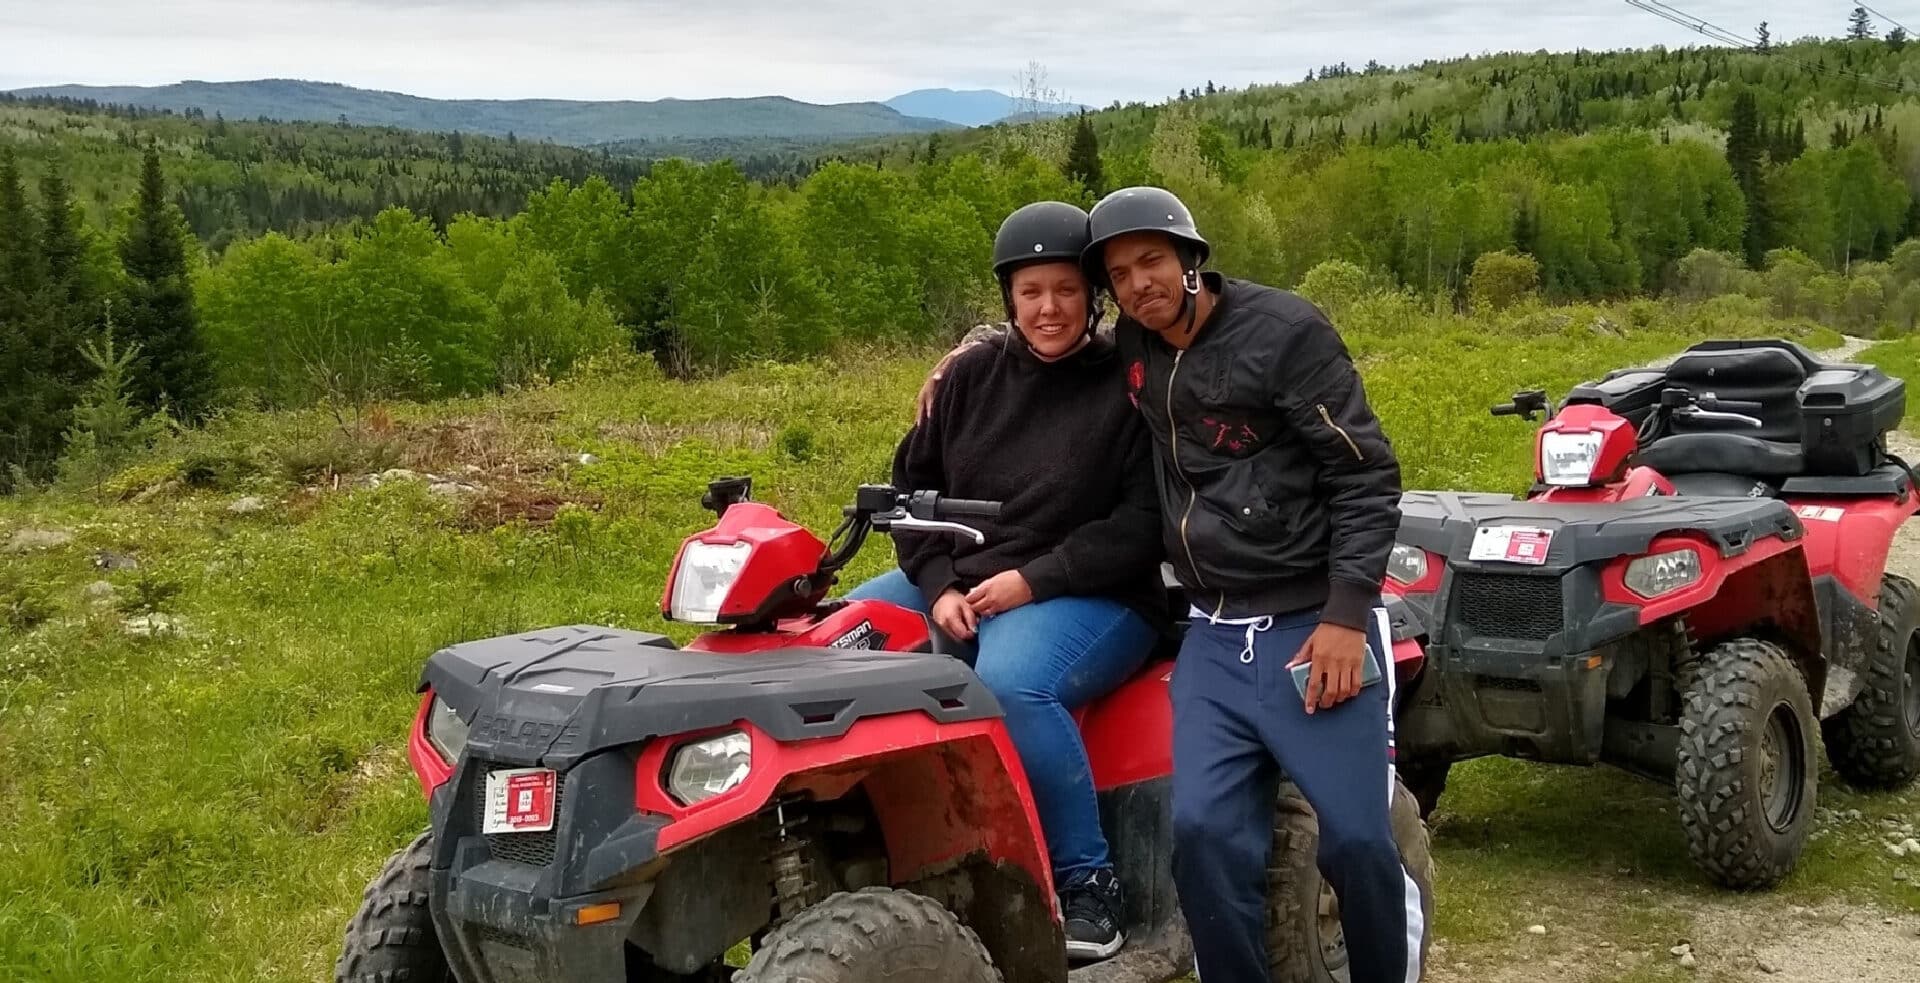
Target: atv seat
[[1723, 453], [1770, 377]]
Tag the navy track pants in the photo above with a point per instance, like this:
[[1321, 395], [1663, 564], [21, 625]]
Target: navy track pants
[[1238, 720]]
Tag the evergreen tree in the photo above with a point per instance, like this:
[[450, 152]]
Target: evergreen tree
[[1266, 134], [1897, 38], [1526, 230], [1765, 44], [1859, 25], [23, 375], [1083, 157], [1745, 143], [1287, 144], [109, 429], [173, 368]]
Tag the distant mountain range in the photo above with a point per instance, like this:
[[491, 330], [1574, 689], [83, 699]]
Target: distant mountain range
[[576, 123], [972, 107]]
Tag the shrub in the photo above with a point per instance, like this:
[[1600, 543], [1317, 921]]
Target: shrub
[[1706, 273], [1502, 280], [1335, 285]]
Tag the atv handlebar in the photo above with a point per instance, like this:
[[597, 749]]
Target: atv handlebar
[[966, 508], [886, 508]]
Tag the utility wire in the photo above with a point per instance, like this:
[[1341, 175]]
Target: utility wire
[[1883, 17], [1715, 32]]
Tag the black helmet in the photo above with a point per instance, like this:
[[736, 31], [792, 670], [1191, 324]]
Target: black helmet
[[1043, 232], [1141, 210]]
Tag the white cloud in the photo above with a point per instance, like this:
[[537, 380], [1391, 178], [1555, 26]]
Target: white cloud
[[835, 50]]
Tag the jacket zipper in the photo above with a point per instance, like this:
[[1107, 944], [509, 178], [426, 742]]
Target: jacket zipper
[[1193, 494], [1324, 415]]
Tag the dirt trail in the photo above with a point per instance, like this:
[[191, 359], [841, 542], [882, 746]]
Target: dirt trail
[[1735, 939]]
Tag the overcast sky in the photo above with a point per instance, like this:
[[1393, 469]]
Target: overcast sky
[[817, 50]]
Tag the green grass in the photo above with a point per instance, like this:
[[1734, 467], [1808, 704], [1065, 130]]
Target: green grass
[[1899, 358], [208, 805]]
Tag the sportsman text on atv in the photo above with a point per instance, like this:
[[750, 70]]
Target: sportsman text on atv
[[1695, 586], [823, 779]]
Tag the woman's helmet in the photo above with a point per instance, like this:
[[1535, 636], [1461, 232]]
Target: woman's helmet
[[1043, 232]]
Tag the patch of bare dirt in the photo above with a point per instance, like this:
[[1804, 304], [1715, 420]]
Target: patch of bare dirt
[[1833, 943], [1731, 941]]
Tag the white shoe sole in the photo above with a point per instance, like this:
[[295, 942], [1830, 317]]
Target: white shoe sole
[[1088, 951]]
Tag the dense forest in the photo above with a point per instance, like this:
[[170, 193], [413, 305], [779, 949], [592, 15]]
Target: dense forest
[[235, 179], [250, 263]]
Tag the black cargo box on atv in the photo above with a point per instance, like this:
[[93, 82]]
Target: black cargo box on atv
[[1835, 413]]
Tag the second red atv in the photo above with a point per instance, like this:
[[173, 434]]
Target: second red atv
[[826, 781], [1695, 587]]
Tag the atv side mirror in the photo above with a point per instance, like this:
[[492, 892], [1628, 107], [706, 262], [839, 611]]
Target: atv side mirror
[[724, 493]]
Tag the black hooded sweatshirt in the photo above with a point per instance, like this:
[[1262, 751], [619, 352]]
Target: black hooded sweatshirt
[[1058, 444]]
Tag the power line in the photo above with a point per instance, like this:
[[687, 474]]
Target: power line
[[1717, 33], [1883, 17]]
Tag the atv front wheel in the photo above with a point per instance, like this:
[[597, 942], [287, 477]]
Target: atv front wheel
[[391, 937], [1875, 742], [869, 936], [1746, 778], [1305, 941]]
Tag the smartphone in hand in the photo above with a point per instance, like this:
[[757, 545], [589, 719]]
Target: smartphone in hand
[[1369, 672]]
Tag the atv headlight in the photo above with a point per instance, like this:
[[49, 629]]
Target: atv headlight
[[445, 730], [707, 572], [1662, 573], [1568, 458], [1407, 564], [715, 766]]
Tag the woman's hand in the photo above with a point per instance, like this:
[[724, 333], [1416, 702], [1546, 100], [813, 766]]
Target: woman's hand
[[954, 617], [1001, 593]]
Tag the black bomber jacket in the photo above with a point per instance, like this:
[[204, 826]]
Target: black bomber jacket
[[1278, 489]]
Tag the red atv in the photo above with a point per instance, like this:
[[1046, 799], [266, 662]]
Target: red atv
[[827, 781], [1695, 586]]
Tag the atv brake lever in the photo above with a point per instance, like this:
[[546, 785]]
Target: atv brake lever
[[925, 525], [1695, 413]]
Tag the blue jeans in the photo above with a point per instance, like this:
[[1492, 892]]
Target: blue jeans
[[1042, 661]]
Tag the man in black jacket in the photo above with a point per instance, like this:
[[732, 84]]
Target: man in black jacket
[[1280, 500]]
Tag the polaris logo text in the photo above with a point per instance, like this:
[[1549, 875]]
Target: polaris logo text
[[495, 729]]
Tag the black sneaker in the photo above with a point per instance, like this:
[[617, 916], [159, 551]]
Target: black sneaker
[[1093, 906]]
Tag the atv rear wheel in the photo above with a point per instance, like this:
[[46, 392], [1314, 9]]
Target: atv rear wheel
[[1747, 777], [1426, 780], [1305, 941], [872, 935], [1875, 742], [391, 937]]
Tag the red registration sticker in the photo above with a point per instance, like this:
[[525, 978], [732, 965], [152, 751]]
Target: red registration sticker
[[1511, 544], [520, 800]]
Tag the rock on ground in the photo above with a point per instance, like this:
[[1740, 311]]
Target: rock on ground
[[27, 540]]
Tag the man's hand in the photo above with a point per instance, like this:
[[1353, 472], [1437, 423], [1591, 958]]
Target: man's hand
[[924, 403], [1335, 652], [1001, 593], [954, 617]]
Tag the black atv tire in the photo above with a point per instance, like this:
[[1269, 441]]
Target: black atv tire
[[868, 936], [1875, 742], [391, 938], [1747, 776], [1305, 943], [1427, 780]]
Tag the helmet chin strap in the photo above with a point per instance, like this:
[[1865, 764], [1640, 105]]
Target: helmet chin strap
[[1190, 285]]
